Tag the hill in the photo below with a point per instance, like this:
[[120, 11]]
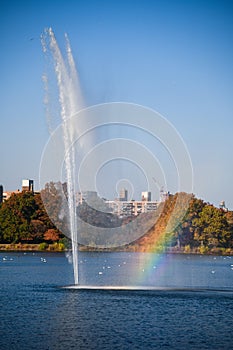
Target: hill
[[182, 224]]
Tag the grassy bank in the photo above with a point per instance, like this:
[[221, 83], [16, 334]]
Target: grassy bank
[[59, 247], [160, 250], [55, 247]]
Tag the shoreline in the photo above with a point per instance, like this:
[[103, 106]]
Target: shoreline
[[19, 247]]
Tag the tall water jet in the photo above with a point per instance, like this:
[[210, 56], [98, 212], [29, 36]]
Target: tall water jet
[[107, 132], [70, 101]]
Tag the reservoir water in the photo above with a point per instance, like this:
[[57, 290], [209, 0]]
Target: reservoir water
[[192, 307]]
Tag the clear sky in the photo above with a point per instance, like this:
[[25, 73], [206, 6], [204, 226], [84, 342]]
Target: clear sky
[[173, 56]]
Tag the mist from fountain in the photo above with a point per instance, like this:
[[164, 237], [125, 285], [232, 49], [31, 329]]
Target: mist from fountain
[[71, 102], [100, 148]]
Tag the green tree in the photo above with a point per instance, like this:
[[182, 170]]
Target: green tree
[[212, 228], [24, 218], [187, 226], [15, 217]]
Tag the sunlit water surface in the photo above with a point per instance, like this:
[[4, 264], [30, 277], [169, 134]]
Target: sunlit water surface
[[190, 308]]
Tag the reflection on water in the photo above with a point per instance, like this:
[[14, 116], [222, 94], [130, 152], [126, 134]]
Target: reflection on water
[[157, 270], [57, 318]]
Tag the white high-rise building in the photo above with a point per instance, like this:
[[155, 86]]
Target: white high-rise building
[[27, 185], [146, 196], [123, 195]]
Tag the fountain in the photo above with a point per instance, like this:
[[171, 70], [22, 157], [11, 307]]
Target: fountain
[[70, 103], [112, 144]]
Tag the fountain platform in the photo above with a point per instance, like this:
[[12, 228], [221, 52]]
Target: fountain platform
[[146, 288], [93, 287]]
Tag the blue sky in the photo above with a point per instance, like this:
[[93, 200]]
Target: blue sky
[[172, 56]]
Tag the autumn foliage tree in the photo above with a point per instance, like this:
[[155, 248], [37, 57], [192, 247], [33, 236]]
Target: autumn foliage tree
[[51, 235], [23, 218], [15, 217]]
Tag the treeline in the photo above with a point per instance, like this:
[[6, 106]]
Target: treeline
[[188, 224], [23, 219], [183, 223]]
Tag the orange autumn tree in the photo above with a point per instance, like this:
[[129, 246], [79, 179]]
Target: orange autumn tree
[[52, 235]]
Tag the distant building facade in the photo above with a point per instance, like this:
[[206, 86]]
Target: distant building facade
[[146, 196], [27, 186], [121, 206], [86, 196], [222, 206], [164, 195], [1, 194], [124, 208], [7, 194], [131, 208], [123, 195]]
